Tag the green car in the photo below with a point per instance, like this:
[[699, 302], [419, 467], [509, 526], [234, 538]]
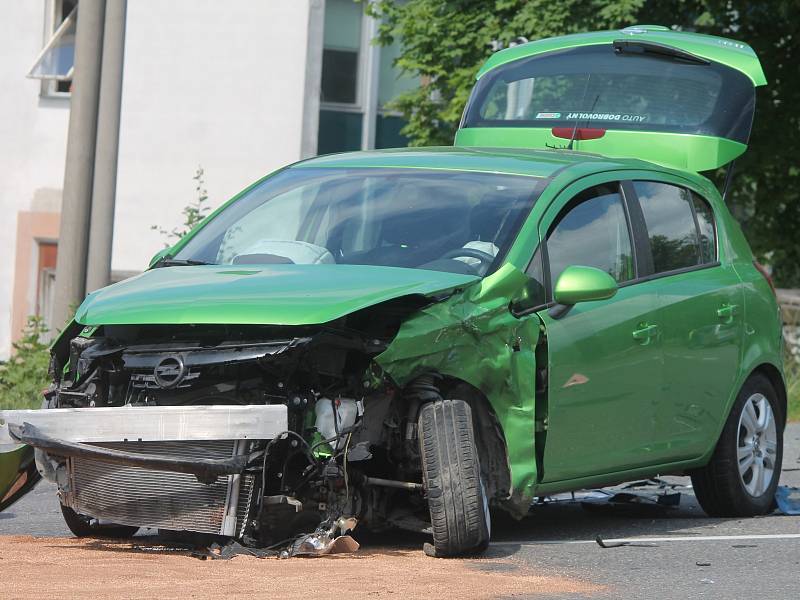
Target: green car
[[410, 338]]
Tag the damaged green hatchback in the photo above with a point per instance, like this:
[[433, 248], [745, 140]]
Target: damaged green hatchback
[[408, 338]]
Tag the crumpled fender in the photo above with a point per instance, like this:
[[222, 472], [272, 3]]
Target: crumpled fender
[[18, 474], [472, 336]]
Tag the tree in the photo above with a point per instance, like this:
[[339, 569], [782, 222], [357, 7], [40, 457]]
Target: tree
[[444, 42]]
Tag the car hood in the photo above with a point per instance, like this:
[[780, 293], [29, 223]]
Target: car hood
[[258, 295]]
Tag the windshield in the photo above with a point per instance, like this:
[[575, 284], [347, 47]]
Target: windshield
[[593, 86], [458, 222]]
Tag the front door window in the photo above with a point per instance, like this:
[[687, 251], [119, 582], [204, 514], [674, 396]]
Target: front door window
[[593, 233]]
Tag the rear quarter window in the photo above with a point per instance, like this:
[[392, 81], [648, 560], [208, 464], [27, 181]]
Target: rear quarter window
[[706, 229]]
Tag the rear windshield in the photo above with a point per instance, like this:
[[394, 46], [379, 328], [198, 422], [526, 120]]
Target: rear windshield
[[439, 220], [593, 86]]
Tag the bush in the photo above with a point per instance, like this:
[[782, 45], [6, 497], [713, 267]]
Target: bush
[[791, 367], [793, 390], [193, 213], [24, 376]]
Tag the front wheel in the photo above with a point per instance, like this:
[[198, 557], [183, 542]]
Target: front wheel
[[741, 478], [83, 526], [452, 479]]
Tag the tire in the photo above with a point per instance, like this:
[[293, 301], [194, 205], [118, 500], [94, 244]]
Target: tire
[[451, 477], [83, 526], [729, 485]]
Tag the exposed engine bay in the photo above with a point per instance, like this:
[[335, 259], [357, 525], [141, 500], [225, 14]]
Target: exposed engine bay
[[349, 454]]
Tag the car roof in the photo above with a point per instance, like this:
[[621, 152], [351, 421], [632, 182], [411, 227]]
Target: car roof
[[511, 161]]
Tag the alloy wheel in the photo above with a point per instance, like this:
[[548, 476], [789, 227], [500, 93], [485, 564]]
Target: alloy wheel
[[757, 445]]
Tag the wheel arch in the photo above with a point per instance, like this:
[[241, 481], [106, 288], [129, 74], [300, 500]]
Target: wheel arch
[[775, 377], [490, 436]]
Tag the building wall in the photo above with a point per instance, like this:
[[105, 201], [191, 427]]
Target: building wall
[[217, 84], [207, 83], [33, 133], [231, 86]]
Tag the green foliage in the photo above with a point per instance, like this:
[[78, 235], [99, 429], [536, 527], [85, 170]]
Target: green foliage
[[445, 42], [793, 389], [791, 359], [25, 376], [193, 213]]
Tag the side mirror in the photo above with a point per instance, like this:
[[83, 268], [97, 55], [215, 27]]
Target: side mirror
[[583, 284], [159, 255]]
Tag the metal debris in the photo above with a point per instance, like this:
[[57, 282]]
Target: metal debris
[[325, 541]]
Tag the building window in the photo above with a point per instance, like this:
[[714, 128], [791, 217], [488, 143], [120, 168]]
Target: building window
[[341, 109], [358, 81], [391, 83], [46, 284], [341, 51], [56, 62]]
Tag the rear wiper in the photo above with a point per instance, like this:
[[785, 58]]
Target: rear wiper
[[180, 262], [654, 48]]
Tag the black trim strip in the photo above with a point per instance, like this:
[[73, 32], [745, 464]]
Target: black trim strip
[[639, 236], [673, 272]]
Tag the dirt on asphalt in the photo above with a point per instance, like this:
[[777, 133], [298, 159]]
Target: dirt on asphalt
[[70, 568]]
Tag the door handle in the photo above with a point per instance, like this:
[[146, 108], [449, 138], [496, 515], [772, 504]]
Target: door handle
[[645, 333], [727, 311]]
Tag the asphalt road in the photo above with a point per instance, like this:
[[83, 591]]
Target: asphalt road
[[681, 553]]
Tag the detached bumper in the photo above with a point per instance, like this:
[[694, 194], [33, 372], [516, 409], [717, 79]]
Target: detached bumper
[[18, 475], [175, 468], [205, 469], [150, 423]]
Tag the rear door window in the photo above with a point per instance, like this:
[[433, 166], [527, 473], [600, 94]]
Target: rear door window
[[593, 232], [680, 226]]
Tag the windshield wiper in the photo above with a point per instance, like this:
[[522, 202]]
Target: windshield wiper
[[654, 48], [180, 262]]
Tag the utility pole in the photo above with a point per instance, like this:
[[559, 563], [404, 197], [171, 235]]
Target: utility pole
[[76, 202], [101, 228]]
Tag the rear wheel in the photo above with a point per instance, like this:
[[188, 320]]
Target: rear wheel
[[743, 473], [83, 526], [452, 479]]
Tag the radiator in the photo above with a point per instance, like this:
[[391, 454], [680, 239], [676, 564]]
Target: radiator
[[159, 499]]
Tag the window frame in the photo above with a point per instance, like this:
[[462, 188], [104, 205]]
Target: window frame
[[362, 71], [53, 14], [367, 105]]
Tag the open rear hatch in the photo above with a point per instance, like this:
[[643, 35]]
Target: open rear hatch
[[681, 99]]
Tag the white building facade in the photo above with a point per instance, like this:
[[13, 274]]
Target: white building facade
[[240, 88]]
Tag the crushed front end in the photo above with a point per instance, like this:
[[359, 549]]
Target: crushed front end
[[258, 433]]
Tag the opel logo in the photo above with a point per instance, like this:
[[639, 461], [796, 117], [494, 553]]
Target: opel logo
[[170, 371]]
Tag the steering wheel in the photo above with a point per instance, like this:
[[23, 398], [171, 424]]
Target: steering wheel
[[485, 258]]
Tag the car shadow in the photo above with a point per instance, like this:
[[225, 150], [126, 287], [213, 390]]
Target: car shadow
[[569, 521]]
